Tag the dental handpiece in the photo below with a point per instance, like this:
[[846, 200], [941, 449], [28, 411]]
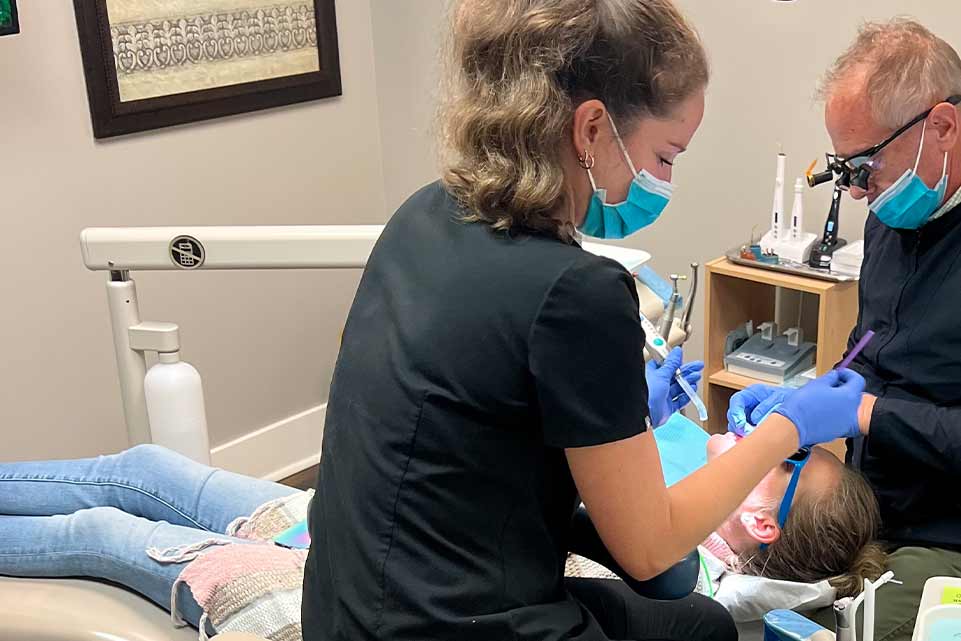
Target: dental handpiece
[[844, 613], [667, 321], [658, 347], [846, 610], [689, 303]]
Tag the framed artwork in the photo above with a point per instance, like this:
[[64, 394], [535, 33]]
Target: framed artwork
[[9, 24], [156, 63]]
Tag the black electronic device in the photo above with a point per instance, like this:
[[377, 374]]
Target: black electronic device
[[823, 252]]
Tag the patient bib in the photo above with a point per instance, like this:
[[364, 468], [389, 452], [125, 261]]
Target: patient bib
[[681, 446]]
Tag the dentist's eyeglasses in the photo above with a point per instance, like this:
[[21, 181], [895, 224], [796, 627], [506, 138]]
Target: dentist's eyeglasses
[[856, 170]]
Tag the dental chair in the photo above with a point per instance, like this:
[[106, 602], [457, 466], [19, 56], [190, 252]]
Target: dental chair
[[81, 610], [85, 610]]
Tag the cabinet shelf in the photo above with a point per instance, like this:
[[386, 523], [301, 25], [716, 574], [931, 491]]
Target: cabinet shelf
[[736, 294], [735, 382]]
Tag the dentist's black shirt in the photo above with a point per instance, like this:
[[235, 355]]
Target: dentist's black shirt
[[470, 360], [910, 295]]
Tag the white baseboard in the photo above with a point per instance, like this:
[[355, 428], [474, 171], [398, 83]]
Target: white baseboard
[[276, 451]]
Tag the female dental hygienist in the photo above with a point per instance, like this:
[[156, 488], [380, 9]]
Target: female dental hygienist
[[492, 372]]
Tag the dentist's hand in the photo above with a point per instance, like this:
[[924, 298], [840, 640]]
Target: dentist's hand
[[752, 405], [664, 394], [825, 409]]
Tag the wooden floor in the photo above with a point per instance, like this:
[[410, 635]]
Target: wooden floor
[[305, 480]]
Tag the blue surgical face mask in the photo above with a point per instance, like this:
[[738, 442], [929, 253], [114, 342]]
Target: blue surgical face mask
[[646, 200], [909, 203]]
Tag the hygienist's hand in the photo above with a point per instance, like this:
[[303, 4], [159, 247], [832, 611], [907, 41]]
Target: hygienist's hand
[[826, 408], [752, 405], [664, 394]]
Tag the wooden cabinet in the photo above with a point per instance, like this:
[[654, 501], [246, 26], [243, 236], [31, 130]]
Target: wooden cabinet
[[735, 294]]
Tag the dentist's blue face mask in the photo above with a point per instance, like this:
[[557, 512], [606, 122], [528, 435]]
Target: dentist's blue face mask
[[909, 203], [646, 200]]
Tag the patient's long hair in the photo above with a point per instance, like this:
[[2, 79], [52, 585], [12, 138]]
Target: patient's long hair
[[831, 536]]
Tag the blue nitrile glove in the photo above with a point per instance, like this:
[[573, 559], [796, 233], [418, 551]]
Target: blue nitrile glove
[[664, 394], [752, 405], [826, 408]]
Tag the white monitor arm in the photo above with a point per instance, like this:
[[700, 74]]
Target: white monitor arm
[[122, 250]]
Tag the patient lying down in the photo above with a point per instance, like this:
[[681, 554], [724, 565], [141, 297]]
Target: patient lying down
[[199, 541], [826, 543]]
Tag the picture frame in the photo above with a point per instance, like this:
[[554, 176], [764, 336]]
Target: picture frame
[[9, 21], [181, 61]]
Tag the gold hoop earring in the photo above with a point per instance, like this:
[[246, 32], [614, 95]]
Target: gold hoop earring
[[587, 160]]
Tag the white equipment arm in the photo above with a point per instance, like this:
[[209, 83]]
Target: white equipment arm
[[276, 247], [122, 250]]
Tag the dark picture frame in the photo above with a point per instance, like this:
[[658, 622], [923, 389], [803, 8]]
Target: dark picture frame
[[113, 117], [14, 25]]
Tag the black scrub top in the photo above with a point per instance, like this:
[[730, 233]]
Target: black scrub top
[[470, 360], [908, 294]]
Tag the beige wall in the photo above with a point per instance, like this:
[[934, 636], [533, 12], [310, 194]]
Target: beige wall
[[264, 342], [767, 58], [407, 41]]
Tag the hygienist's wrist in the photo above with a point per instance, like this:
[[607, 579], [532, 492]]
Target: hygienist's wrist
[[866, 412], [781, 430]]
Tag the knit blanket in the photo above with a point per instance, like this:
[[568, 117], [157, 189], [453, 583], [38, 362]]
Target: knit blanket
[[249, 588], [256, 587], [253, 587], [579, 567]]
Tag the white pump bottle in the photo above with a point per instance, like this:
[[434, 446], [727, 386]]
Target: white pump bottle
[[175, 407]]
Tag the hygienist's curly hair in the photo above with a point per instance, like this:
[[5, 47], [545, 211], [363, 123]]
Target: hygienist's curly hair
[[517, 70], [829, 536]]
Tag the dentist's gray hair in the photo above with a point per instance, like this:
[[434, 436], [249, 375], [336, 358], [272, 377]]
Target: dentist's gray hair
[[905, 69]]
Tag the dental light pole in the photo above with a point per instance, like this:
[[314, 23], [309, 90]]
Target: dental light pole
[[170, 410], [173, 397]]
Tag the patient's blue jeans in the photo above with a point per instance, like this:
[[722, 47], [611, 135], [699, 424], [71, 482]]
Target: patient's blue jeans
[[96, 517]]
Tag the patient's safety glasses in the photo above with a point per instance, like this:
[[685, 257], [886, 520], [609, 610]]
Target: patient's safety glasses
[[797, 461], [856, 169]]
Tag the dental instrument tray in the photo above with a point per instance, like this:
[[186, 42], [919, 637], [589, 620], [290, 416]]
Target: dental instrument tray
[[788, 267]]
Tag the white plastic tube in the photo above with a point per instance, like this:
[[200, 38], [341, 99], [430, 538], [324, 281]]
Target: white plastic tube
[[868, 625], [695, 399]]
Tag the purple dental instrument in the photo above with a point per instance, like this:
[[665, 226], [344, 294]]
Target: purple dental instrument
[[868, 335], [861, 344]]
